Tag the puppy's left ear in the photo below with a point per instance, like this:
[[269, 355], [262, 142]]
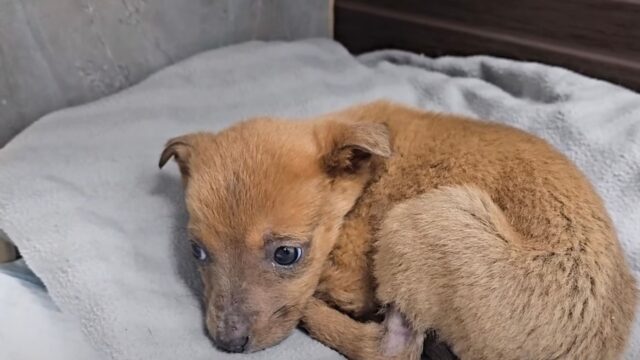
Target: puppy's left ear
[[180, 149], [353, 145]]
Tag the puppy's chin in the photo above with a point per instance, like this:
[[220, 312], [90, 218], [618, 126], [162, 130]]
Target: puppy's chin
[[272, 335], [259, 347]]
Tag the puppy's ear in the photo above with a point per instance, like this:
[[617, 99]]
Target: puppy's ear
[[353, 145], [180, 149]]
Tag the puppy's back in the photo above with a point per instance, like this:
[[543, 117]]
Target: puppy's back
[[514, 254]]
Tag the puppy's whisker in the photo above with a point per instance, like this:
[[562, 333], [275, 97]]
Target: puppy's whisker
[[283, 311]]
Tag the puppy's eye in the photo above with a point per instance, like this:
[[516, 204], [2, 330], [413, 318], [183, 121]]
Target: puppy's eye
[[198, 252], [287, 255]]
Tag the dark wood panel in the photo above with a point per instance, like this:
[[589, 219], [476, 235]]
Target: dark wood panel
[[610, 26], [599, 38]]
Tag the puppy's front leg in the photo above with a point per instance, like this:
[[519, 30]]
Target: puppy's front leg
[[361, 341]]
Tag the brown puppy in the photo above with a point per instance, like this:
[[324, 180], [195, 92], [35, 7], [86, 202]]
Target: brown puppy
[[477, 230]]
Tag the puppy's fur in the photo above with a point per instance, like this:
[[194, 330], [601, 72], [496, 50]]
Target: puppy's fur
[[479, 231]]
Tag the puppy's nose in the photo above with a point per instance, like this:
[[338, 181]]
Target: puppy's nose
[[233, 345], [233, 334]]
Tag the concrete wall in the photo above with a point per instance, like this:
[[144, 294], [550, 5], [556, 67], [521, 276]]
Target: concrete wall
[[58, 53]]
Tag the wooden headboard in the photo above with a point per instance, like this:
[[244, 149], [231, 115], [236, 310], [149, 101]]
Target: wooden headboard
[[599, 38]]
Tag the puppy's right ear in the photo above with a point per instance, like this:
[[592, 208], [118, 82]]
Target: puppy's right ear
[[180, 149]]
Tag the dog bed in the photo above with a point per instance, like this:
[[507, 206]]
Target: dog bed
[[104, 228]]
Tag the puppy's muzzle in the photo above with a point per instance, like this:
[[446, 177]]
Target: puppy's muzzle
[[232, 333]]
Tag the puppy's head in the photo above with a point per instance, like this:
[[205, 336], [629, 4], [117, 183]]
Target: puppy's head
[[266, 199]]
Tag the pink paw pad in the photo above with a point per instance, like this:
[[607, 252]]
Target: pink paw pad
[[398, 333]]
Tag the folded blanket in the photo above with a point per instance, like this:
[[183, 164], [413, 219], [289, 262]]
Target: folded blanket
[[81, 195], [31, 327]]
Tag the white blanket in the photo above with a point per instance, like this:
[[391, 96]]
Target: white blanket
[[31, 326], [81, 195]]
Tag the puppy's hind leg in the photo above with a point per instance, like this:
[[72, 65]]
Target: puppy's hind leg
[[431, 253]]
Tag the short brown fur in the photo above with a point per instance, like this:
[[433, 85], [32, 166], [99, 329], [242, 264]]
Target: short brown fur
[[477, 230]]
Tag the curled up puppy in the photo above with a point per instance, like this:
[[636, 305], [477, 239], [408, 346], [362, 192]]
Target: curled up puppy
[[477, 231]]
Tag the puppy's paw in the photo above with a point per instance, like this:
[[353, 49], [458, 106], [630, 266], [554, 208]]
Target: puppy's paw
[[399, 339]]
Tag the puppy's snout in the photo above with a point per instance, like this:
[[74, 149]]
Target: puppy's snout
[[232, 334]]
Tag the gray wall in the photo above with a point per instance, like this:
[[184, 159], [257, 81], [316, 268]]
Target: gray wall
[[58, 53]]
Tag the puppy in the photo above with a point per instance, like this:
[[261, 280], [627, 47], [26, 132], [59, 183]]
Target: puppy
[[478, 231]]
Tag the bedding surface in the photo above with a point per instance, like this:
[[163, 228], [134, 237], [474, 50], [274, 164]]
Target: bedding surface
[[82, 197], [27, 313]]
